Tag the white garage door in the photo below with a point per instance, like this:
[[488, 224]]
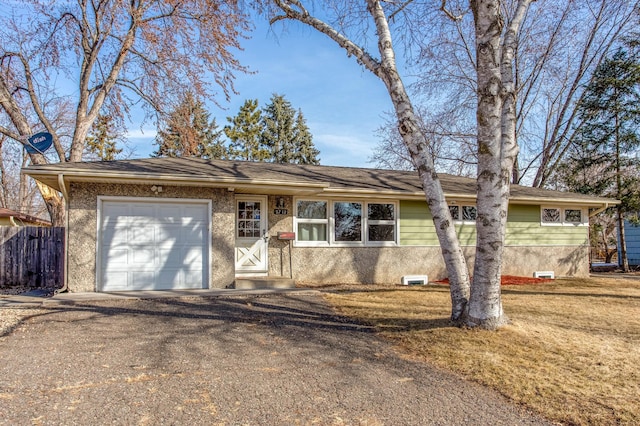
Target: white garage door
[[150, 245]]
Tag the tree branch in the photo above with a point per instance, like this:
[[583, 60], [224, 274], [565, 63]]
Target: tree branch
[[447, 12], [352, 49]]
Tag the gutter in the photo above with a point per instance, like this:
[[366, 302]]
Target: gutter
[[601, 209]]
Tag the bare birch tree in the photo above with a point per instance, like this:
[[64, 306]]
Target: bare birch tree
[[476, 304], [109, 55]]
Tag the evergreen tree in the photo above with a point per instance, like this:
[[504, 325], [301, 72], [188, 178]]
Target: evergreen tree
[[306, 152], [286, 135], [102, 139], [189, 133], [244, 133], [603, 160]]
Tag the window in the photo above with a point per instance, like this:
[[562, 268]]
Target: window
[[464, 213], [248, 219], [321, 222], [551, 215], [381, 222], [312, 220], [559, 216], [573, 216], [348, 221]]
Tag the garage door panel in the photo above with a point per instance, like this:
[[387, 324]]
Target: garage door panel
[[111, 236], [119, 256], [143, 256], [192, 276], [143, 210], [142, 235], [153, 245], [194, 213], [142, 280], [170, 214], [191, 255], [171, 233], [116, 280]]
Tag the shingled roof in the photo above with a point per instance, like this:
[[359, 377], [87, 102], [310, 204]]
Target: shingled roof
[[261, 177]]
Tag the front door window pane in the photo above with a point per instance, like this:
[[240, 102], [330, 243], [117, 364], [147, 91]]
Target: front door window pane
[[248, 219]]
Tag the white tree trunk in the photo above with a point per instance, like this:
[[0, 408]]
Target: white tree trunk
[[478, 304], [497, 151], [386, 70]]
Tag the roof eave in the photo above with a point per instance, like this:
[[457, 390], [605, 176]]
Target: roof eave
[[53, 179]]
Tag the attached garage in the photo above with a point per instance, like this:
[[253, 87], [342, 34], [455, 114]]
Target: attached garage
[[148, 244]]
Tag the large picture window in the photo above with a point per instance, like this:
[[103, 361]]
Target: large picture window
[[348, 221], [325, 222]]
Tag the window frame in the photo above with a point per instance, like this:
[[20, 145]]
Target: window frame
[[584, 217], [460, 206], [368, 222], [331, 225], [297, 220]]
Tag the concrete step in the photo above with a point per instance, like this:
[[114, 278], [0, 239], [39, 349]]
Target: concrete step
[[248, 283]]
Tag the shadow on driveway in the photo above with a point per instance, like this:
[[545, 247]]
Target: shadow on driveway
[[275, 360]]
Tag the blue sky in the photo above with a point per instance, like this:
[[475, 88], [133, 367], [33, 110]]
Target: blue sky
[[342, 102]]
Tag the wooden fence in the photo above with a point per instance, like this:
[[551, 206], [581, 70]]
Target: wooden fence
[[31, 256]]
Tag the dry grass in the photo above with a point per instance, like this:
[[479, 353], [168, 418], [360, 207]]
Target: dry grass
[[571, 352]]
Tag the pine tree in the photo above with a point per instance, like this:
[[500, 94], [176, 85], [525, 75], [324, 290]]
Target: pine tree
[[102, 139], [603, 160], [244, 133], [286, 135], [189, 133], [306, 152]]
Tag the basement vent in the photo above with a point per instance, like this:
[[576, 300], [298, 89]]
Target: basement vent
[[544, 274], [415, 280]]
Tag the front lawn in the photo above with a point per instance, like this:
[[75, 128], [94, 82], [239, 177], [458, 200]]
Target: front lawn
[[571, 352]]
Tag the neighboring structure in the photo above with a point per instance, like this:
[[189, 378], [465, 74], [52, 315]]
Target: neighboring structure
[[167, 223], [632, 237], [13, 218]]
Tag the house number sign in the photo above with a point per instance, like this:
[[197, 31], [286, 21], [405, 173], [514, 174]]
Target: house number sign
[[280, 207]]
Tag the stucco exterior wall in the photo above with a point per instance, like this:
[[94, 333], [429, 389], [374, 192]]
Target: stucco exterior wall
[[279, 250], [387, 265], [83, 226], [306, 265]]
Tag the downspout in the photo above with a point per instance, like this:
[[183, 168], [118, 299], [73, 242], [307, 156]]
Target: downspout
[[12, 220], [65, 195]]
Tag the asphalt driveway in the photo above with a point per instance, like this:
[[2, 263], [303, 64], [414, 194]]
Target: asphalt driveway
[[271, 360]]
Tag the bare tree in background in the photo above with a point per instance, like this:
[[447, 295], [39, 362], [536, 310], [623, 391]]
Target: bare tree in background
[[560, 45], [477, 303], [113, 54]]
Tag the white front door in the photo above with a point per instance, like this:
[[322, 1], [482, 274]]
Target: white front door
[[251, 235]]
